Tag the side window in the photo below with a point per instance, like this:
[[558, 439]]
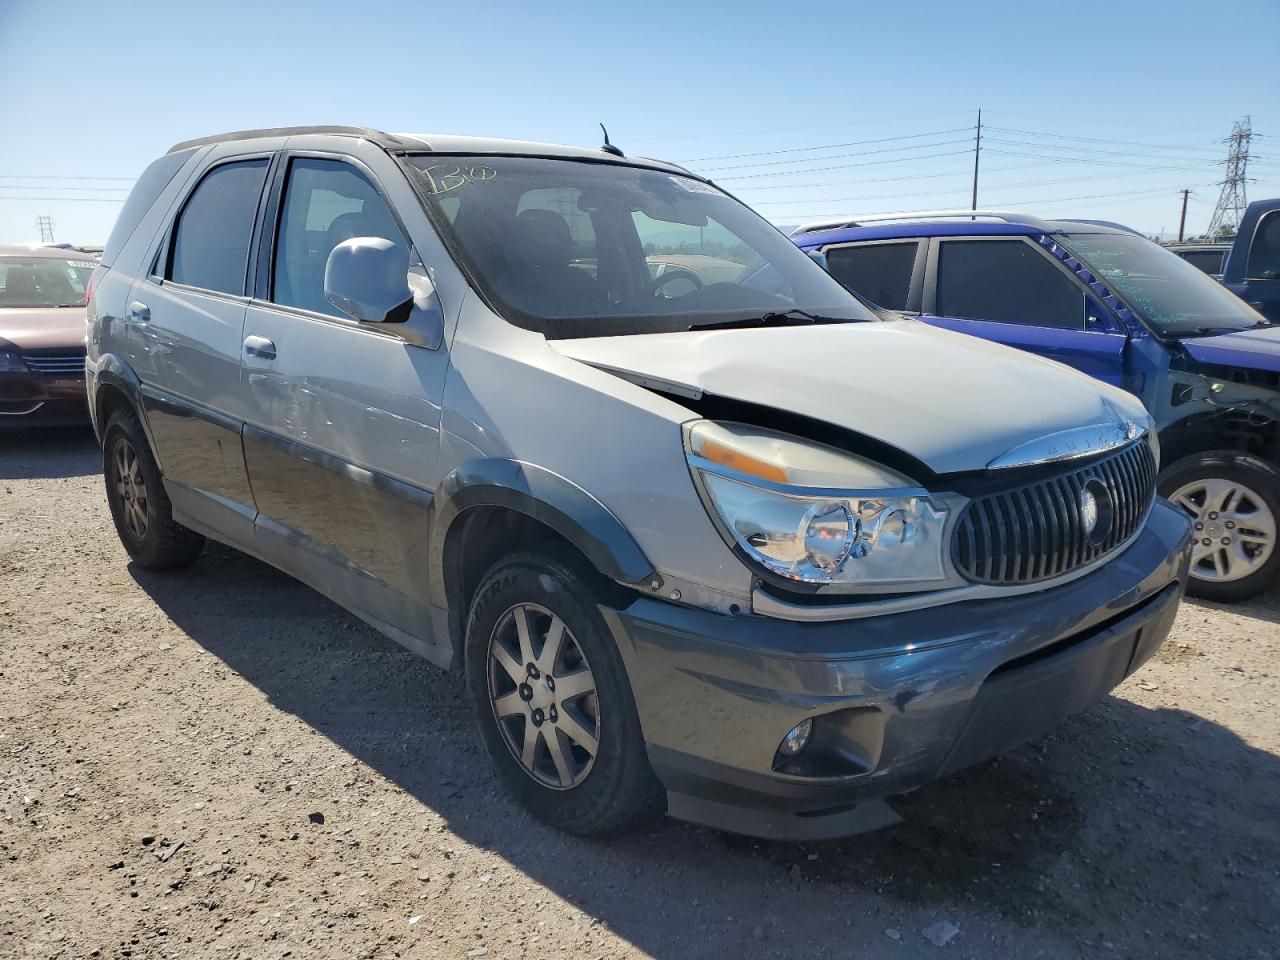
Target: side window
[[1264, 254], [1005, 281], [325, 203], [1209, 261], [881, 272], [211, 240]]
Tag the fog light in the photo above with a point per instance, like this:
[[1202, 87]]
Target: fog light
[[797, 739]]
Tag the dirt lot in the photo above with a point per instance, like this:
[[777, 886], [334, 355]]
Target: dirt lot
[[221, 763]]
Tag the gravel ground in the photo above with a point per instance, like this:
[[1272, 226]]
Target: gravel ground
[[221, 763]]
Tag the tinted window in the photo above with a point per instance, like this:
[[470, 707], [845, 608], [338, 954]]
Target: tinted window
[[211, 242], [1006, 281], [1264, 254], [325, 203], [149, 186], [881, 272], [1209, 261]]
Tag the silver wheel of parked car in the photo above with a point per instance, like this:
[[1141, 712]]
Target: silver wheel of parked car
[[543, 696], [126, 475], [1235, 529]]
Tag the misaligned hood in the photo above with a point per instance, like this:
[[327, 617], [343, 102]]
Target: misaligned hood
[[42, 328], [952, 401]]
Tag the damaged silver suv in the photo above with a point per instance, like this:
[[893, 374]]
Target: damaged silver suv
[[706, 534]]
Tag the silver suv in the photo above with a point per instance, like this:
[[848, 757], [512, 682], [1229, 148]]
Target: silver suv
[[707, 534]]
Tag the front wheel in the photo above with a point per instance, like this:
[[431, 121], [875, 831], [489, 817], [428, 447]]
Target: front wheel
[[1233, 501], [553, 699]]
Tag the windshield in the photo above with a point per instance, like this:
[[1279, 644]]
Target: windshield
[[580, 249], [43, 281], [1171, 295]]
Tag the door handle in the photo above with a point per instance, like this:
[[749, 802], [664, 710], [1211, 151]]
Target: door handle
[[139, 311], [259, 347]]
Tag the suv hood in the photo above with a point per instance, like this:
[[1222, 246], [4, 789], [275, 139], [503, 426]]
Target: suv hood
[[41, 328], [952, 401], [1253, 349]]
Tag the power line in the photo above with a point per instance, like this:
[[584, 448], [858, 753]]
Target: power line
[[35, 176], [836, 156], [844, 166], [72, 199], [825, 146], [1106, 140], [820, 126]]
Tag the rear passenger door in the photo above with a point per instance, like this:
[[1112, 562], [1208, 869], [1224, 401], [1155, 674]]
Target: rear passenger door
[[1009, 290], [889, 273], [183, 326], [342, 422]]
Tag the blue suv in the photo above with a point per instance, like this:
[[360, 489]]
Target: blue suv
[[1114, 305]]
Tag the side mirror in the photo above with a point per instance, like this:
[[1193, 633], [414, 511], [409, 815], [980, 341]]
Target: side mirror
[[366, 278]]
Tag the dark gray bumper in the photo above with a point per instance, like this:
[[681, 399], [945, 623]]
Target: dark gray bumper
[[898, 700]]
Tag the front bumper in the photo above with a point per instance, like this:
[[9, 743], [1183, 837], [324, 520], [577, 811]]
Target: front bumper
[[39, 399], [898, 700]]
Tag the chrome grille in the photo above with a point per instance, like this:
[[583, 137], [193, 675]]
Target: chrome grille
[[1037, 531], [55, 363]]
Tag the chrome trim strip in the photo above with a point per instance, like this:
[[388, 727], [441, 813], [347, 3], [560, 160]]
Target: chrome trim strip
[[1070, 444]]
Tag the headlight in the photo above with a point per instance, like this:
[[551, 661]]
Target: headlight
[[11, 363], [816, 515]]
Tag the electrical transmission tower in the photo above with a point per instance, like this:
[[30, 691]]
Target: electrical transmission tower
[[1232, 199], [45, 226]]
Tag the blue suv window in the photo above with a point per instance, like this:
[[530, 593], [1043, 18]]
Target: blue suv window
[[1005, 281], [881, 272]]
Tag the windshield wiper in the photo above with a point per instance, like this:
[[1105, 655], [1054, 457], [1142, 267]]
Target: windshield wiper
[[777, 318]]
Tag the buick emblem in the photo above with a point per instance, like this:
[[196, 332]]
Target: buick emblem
[[1088, 511], [1096, 515]]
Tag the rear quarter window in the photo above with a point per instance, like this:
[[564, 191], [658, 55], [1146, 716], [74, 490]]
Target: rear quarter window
[[148, 186]]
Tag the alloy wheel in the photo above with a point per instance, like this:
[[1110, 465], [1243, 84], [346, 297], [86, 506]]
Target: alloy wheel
[[543, 696], [130, 487], [1235, 530]]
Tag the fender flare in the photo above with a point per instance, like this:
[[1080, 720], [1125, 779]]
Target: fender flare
[[112, 371], [542, 495]]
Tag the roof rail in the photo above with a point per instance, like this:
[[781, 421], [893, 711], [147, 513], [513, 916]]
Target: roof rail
[[376, 136], [859, 220]]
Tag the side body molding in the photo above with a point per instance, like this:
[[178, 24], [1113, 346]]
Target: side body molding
[[545, 496]]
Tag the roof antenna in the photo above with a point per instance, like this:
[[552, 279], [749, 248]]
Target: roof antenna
[[609, 147]]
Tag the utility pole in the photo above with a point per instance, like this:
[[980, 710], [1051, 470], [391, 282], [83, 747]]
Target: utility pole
[[1232, 200], [977, 149], [45, 226], [1182, 223]]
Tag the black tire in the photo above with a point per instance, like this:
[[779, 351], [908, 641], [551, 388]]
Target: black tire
[[145, 523], [619, 789], [1262, 482]]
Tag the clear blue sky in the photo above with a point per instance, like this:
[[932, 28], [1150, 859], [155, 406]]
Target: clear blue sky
[[1097, 109]]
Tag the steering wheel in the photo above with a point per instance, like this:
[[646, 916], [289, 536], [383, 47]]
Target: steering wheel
[[673, 274]]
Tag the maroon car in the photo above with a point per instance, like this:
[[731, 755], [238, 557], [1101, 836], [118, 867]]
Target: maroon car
[[42, 300]]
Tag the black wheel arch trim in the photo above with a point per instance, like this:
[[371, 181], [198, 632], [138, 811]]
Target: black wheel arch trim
[[544, 496], [112, 371]]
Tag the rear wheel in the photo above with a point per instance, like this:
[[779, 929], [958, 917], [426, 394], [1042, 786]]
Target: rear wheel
[[139, 505], [552, 697], [1233, 502]]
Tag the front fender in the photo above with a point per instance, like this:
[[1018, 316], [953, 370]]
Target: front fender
[[546, 497]]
